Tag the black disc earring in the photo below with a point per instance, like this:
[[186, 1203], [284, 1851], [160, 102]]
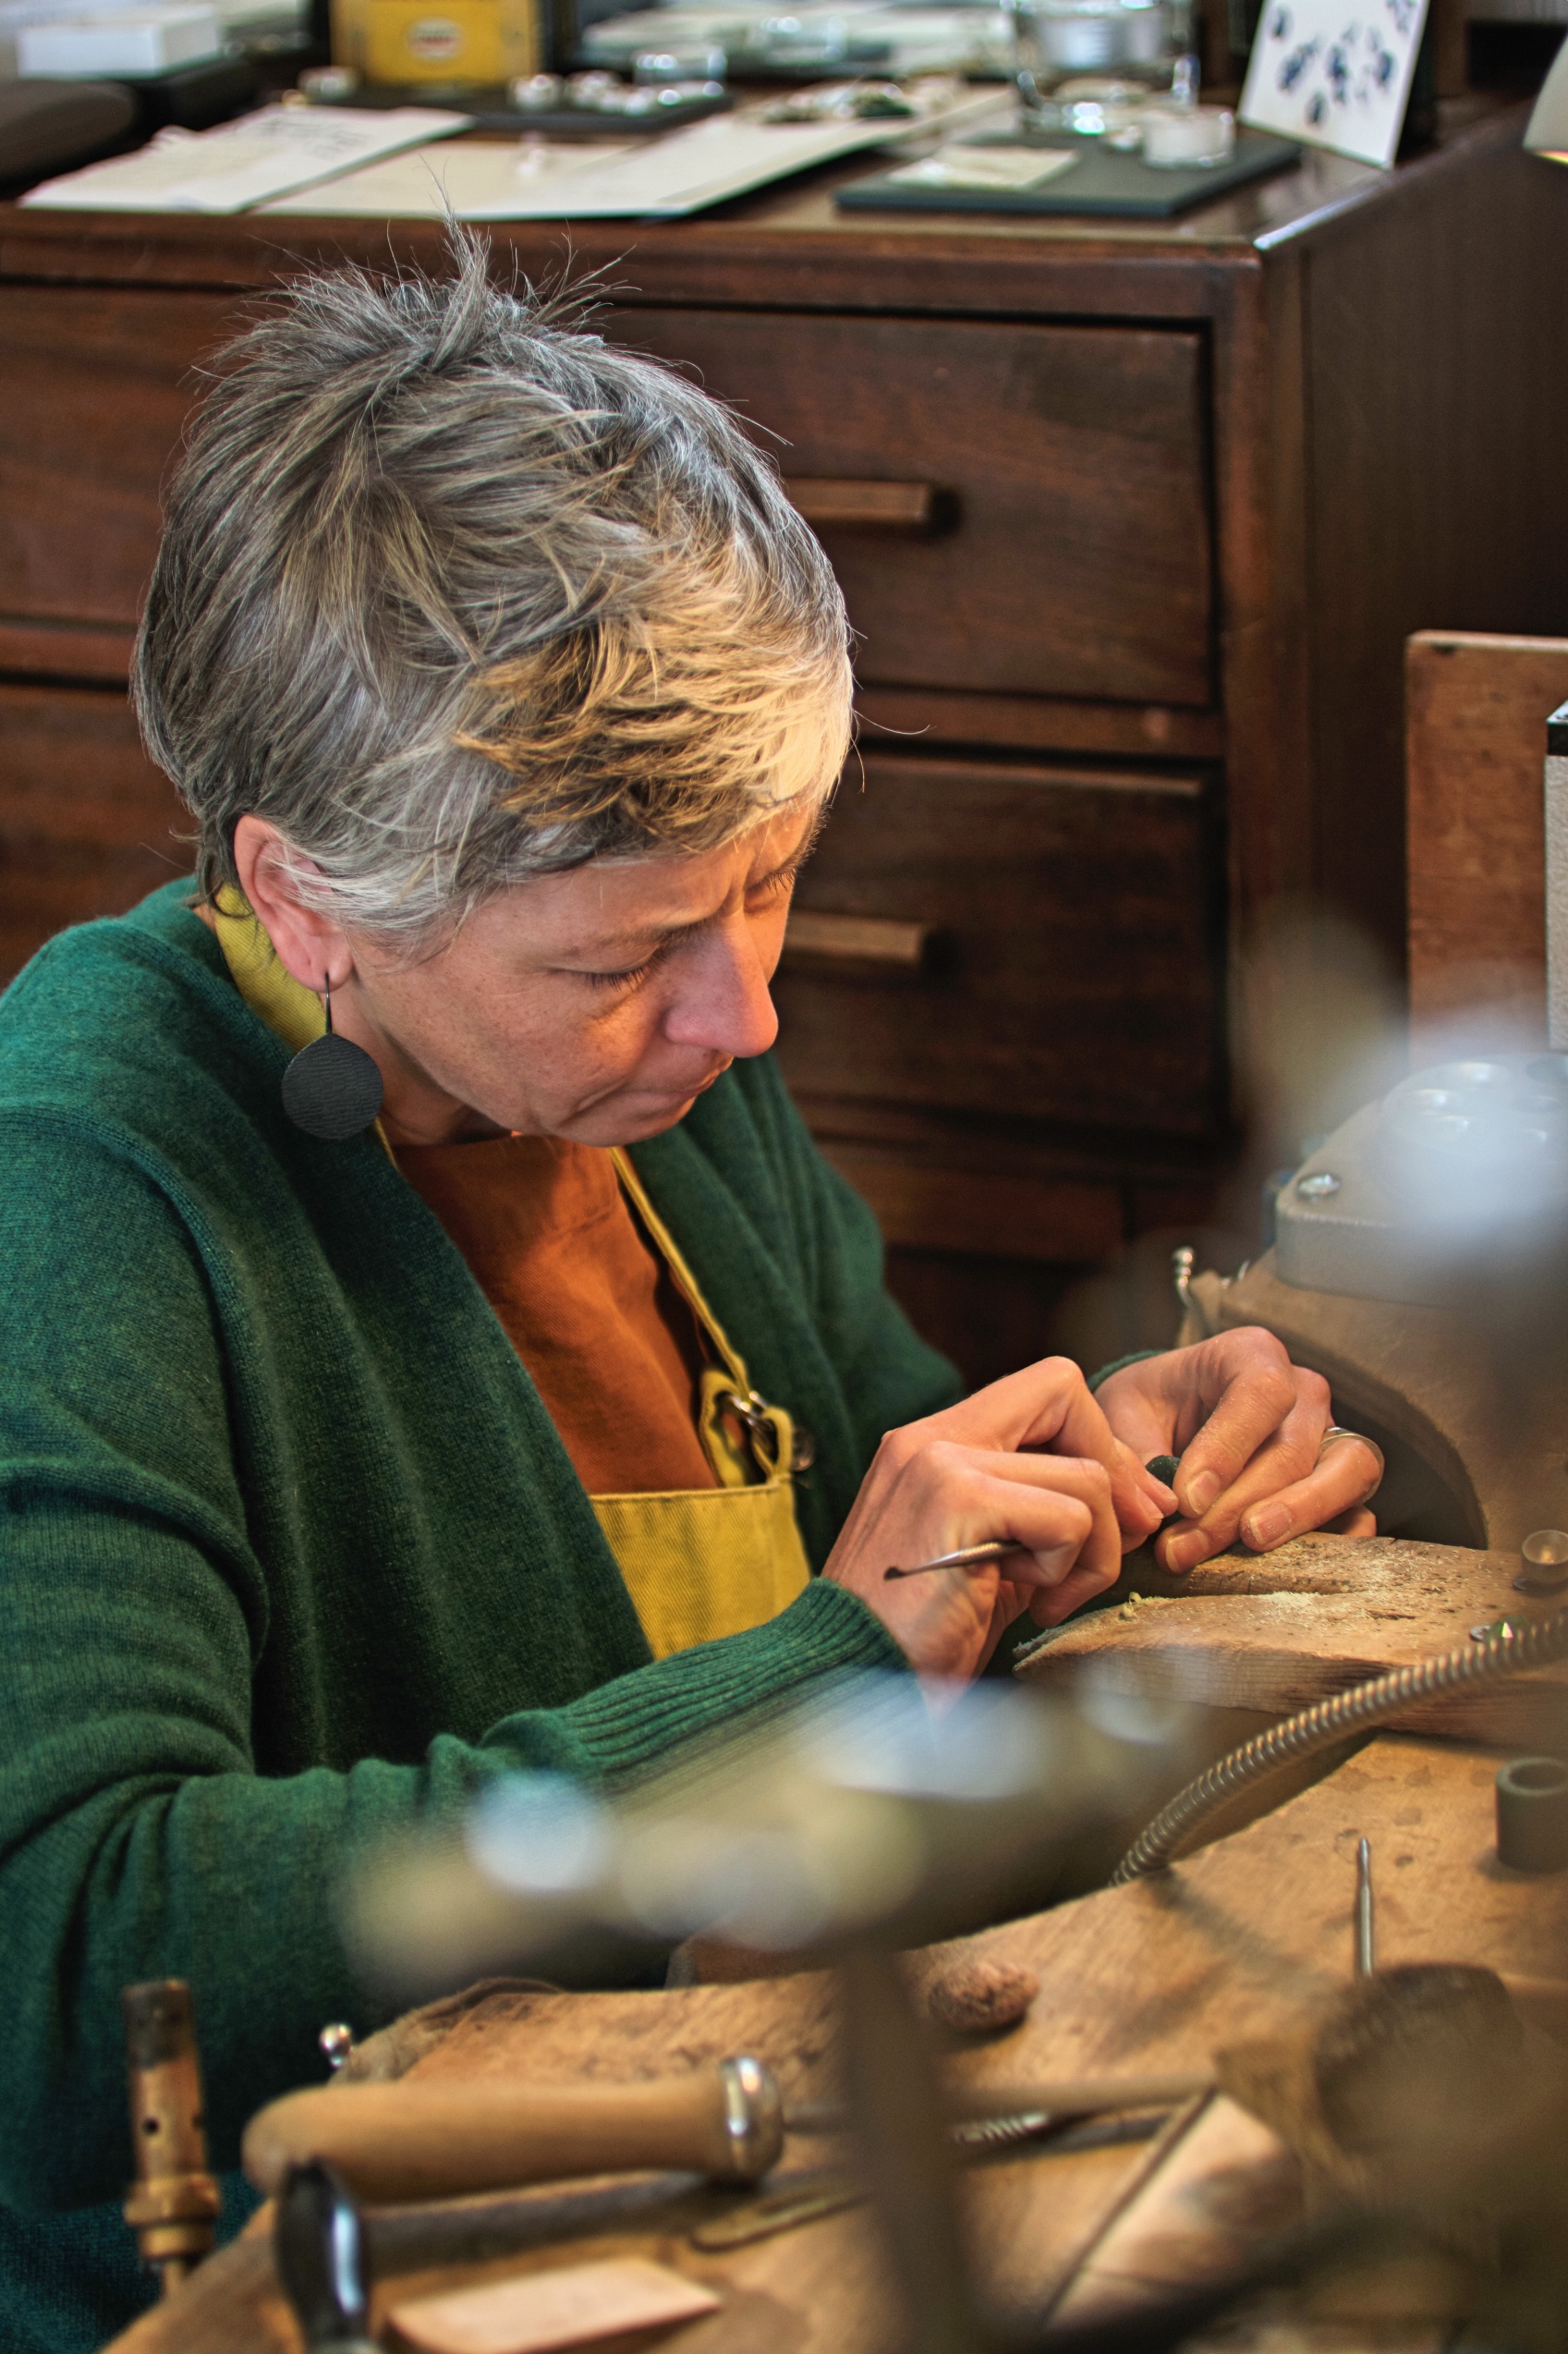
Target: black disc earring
[[332, 1088]]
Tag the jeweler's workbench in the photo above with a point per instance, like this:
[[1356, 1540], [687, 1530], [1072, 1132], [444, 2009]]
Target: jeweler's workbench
[[1156, 1976]]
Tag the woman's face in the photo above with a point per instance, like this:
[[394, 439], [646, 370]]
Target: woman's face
[[596, 1005]]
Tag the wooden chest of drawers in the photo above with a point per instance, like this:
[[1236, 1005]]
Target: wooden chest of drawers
[[1132, 522], [1068, 551], [1068, 947]]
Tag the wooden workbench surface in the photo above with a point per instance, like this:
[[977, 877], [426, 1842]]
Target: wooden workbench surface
[[1156, 1975], [1266, 1635]]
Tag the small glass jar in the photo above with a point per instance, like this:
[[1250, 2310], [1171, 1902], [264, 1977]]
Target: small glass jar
[[796, 41], [1135, 43]]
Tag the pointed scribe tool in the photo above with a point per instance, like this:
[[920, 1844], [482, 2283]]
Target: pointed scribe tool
[[974, 1557]]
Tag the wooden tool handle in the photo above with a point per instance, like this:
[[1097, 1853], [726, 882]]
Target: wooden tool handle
[[402, 2141]]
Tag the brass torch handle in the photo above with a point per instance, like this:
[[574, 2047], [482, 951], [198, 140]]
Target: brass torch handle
[[405, 2141], [173, 2205]]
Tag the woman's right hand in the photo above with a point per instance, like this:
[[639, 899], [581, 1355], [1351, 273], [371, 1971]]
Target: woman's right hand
[[1032, 1458]]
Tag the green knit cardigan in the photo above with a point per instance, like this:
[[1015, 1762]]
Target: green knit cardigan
[[290, 1554]]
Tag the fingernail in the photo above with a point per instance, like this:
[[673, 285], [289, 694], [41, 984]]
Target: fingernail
[[1267, 1527], [1202, 1489], [1186, 1552]]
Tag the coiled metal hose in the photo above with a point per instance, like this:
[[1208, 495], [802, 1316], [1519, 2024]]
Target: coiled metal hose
[[1504, 1652]]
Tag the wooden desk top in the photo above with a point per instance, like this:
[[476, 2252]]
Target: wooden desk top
[[1152, 1976], [788, 247]]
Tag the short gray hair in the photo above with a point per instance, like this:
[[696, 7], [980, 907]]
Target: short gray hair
[[454, 592]]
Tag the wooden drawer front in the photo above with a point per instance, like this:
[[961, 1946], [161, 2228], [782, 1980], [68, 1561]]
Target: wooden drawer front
[[87, 826], [1070, 550], [94, 388], [1070, 968]]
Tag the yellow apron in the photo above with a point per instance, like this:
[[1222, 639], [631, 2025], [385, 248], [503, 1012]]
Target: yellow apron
[[697, 1562], [704, 1562]]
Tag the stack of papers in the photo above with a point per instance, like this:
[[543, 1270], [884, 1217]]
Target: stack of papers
[[120, 40], [657, 180], [338, 160], [237, 18], [245, 163]]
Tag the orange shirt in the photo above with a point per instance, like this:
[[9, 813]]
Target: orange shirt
[[590, 1306]]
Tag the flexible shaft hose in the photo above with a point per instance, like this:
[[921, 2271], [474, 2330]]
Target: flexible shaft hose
[[1504, 1652]]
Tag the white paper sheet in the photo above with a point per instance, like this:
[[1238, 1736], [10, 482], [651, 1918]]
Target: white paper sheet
[[478, 178], [242, 164], [664, 178], [1335, 73], [997, 168]]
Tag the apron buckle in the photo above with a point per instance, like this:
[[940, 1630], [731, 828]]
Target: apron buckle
[[764, 1432]]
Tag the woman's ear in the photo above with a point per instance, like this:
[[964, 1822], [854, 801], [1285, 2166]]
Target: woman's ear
[[312, 949]]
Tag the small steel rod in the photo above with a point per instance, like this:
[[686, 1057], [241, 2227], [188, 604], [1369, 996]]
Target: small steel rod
[[1077, 2096], [1365, 1929]]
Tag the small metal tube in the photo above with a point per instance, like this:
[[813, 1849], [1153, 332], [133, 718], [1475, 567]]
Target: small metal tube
[[1366, 1936], [173, 2204]]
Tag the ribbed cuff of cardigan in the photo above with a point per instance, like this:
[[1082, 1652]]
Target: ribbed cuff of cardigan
[[634, 1722], [1120, 1364]]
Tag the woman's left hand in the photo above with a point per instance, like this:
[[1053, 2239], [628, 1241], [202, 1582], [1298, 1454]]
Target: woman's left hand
[[1248, 1427]]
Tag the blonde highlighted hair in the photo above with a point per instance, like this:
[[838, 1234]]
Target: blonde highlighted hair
[[454, 592]]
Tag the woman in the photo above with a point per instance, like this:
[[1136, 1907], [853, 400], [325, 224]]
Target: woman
[[349, 1461]]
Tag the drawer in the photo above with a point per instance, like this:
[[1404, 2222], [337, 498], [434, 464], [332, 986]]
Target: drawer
[[1037, 943], [1062, 545], [94, 388], [87, 826]]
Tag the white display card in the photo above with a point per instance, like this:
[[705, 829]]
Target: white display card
[[1335, 73]]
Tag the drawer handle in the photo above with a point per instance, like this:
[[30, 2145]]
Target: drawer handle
[[858, 940], [913, 510]]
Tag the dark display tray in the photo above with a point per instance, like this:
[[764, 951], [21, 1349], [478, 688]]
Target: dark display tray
[[492, 111], [1100, 181]]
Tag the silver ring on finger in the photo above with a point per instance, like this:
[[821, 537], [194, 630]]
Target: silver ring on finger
[[1332, 1436]]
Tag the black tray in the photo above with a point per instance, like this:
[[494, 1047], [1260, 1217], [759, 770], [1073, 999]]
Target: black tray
[[492, 111], [1100, 181]]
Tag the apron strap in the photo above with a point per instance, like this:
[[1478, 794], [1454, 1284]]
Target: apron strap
[[669, 1250], [727, 1397]]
